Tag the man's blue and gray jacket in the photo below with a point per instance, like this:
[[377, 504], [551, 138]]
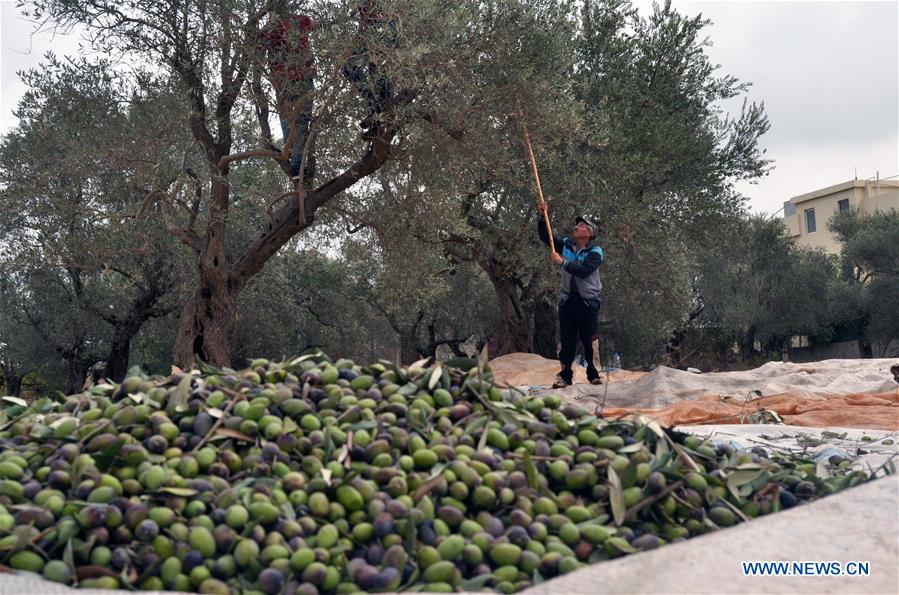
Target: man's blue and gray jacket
[[580, 274]]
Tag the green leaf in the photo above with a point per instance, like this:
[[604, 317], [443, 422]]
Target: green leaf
[[662, 449], [742, 476], [484, 359], [181, 395], [208, 368], [760, 481], [408, 389], [229, 433], [329, 445], [482, 443], [435, 376], [655, 427], [105, 459], [624, 547], [437, 470], [16, 401], [530, 470], [829, 434], [635, 447], [616, 497], [476, 584], [411, 535], [420, 363], [629, 475], [290, 426], [22, 534], [183, 492], [288, 512], [68, 555], [363, 425], [475, 425], [425, 488], [600, 520]]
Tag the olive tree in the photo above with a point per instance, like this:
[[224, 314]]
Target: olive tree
[[212, 48]]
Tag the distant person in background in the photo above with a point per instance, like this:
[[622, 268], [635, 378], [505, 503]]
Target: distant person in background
[[292, 72], [365, 67]]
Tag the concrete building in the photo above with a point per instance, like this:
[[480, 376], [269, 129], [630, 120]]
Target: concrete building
[[806, 215]]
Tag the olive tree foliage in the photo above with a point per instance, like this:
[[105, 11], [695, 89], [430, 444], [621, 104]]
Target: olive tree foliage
[[212, 48], [759, 287], [89, 275], [624, 120], [302, 300], [427, 304], [868, 294], [22, 351], [659, 169], [466, 191]]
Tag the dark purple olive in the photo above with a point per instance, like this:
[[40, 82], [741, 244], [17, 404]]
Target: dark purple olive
[[518, 536], [135, 514], [225, 537], [270, 451], [375, 554], [366, 577], [67, 452], [32, 487], [156, 444], [146, 531], [92, 516], [203, 423], [192, 559], [219, 470], [384, 524], [120, 558], [98, 535], [271, 581], [398, 509], [145, 560], [121, 535], [787, 499]]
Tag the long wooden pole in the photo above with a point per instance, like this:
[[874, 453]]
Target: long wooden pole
[[527, 139]]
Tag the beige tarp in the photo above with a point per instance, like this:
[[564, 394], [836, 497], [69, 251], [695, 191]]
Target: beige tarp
[[850, 393]]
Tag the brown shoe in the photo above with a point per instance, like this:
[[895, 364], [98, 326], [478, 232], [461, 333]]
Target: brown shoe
[[596, 381], [561, 383]]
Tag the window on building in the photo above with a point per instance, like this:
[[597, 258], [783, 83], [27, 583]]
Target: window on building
[[810, 221], [843, 205]]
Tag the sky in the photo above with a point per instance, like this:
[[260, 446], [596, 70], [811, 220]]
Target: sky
[[827, 73]]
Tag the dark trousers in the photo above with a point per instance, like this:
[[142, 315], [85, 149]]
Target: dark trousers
[[371, 82], [577, 319], [297, 92]]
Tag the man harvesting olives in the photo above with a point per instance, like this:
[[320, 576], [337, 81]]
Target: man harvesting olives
[[292, 71], [579, 302]]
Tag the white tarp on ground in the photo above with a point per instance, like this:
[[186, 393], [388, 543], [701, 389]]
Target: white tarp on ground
[[664, 386], [850, 393], [866, 449]]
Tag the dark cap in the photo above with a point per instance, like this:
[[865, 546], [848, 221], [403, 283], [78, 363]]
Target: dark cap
[[593, 229]]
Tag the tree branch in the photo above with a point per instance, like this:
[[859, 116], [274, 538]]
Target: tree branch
[[287, 219], [265, 153]]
